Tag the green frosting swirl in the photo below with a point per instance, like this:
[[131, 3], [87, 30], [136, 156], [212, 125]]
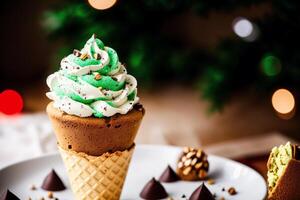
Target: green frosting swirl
[[91, 75]]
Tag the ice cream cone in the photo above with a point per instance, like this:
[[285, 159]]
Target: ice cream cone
[[95, 114], [97, 177], [96, 151]]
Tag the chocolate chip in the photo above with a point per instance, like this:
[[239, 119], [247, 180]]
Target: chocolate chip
[[77, 53], [69, 146]]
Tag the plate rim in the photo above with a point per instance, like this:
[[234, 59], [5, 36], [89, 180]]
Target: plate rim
[[54, 154]]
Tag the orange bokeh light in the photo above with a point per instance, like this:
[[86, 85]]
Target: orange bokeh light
[[102, 4], [283, 101]]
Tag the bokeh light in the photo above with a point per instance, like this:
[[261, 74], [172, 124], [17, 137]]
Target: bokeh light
[[102, 4], [245, 29], [271, 65], [11, 102], [283, 102]]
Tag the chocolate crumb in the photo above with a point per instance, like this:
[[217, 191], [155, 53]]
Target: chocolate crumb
[[33, 187], [69, 146], [118, 126], [42, 198], [138, 106], [223, 189], [183, 196], [222, 198], [50, 195], [232, 191]]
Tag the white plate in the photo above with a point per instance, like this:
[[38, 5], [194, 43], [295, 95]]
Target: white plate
[[148, 161]]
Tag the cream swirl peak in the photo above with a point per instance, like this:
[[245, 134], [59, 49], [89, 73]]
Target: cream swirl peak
[[92, 82]]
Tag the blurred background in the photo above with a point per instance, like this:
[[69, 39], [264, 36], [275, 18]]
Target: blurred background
[[223, 75]]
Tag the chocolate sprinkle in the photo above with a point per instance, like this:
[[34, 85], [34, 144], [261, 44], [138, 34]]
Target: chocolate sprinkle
[[77, 53]]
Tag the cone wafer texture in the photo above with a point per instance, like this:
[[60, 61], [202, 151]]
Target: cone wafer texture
[[97, 177]]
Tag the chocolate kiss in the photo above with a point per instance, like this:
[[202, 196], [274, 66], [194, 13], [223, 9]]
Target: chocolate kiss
[[201, 193], [52, 182], [153, 190], [169, 175], [8, 195]]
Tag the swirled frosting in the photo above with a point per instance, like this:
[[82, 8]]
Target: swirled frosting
[[92, 82]]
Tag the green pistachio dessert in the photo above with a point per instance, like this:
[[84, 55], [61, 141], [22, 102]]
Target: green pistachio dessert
[[284, 173]]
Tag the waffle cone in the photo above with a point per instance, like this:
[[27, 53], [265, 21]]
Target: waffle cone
[[97, 177]]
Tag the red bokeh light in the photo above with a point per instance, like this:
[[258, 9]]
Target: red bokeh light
[[11, 102]]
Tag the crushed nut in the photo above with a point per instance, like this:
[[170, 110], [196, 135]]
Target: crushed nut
[[199, 153], [187, 170], [50, 195], [180, 165], [97, 77], [198, 165], [190, 154], [84, 56], [183, 159], [232, 191], [187, 162], [202, 174], [194, 161], [210, 181]]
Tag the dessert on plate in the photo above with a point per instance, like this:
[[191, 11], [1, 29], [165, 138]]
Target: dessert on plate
[[284, 173], [192, 165], [95, 115]]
